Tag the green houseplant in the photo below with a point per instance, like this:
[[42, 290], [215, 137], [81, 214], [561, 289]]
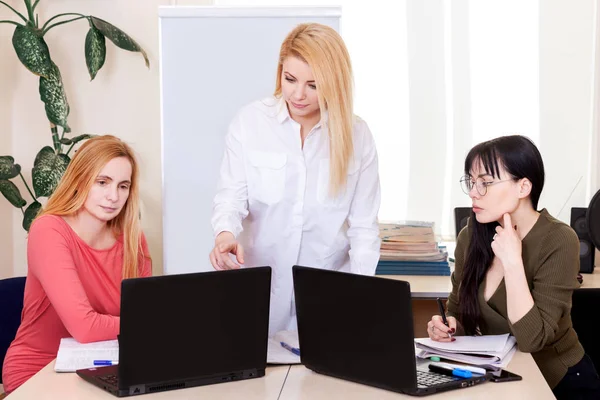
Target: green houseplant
[[32, 50]]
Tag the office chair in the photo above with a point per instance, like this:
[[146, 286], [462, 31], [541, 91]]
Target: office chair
[[11, 298], [585, 301]]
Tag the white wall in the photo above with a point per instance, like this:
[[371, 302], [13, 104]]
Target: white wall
[[566, 101], [123, 100]]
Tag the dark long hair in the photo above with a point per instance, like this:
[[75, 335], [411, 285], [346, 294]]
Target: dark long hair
[[521, 159]]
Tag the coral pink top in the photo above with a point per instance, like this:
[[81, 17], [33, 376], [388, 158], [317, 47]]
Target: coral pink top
[[72, 290]]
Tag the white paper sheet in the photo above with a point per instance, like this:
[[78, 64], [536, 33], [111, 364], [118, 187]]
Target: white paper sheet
[[487, 359], [73, 355], [276, 354]]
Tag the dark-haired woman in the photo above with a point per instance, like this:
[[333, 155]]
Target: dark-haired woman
[[516, 267]]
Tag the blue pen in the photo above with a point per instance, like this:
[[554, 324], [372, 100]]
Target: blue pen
[[462, 373], [105, 362], [294, 350]]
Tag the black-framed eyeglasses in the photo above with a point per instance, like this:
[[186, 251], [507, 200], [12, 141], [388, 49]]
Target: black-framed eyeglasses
[[466, 183]]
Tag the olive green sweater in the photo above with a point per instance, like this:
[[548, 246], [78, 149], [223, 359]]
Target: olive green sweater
[[551, 259]]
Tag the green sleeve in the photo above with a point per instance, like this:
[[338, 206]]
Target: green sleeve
[[462, 243], [554, 280]]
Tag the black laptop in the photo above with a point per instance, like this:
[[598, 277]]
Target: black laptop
[[360, 328], [179, 331]]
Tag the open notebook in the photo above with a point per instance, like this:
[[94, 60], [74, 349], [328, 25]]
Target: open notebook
[[73, 355], [489, 351]]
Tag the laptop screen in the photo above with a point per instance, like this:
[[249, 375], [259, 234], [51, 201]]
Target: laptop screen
[[187, 326], [356, 327]]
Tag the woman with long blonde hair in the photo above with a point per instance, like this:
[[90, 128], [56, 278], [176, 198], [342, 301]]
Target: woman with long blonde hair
[[300, 175], [80, 246]]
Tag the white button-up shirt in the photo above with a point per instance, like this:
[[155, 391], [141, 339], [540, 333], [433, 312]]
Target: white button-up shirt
[[274, 194]]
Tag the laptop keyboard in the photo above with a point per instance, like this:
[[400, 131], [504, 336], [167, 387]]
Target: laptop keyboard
[[109, 379], [427, 379]]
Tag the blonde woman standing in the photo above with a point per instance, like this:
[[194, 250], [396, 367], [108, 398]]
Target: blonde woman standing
[[299, 182], [81, 245]]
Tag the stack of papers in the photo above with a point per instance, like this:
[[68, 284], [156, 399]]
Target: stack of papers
[[277, 354], [73, 355], [489, 351]]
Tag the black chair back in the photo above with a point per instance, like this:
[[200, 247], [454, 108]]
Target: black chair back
[[11, 298], [585, 303]]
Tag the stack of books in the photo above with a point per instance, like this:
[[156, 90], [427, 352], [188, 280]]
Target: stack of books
[[410, 248]]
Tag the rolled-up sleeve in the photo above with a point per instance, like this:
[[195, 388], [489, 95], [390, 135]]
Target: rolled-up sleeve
[[230, 205], [363, 227]]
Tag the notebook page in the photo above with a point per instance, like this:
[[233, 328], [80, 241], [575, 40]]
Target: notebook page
[[492, 360], [276, 354], [485, 344], [73, 355]]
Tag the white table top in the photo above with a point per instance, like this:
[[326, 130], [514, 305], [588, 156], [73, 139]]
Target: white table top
[[48, 384], [304, 384], [285, 383], [592, 280]]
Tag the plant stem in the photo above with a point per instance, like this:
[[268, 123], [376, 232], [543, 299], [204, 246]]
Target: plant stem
[[35, 5], [59, 15], [60, 23], [30, 12], [55, 139], [70, 148], [27, 186], [16, 12], [10, 22], [22, 211]]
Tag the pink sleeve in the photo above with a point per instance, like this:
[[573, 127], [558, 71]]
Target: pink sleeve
[[146, 267], [50, 261]]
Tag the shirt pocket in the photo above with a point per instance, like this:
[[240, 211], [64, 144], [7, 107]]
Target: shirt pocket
[[345, 196], [266, 176]]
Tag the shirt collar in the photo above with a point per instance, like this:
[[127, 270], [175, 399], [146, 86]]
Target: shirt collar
[[283, 113]]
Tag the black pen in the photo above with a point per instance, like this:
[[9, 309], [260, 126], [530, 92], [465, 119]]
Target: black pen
[[443, 313]]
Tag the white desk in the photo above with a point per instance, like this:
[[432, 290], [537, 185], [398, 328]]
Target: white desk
[[592, 280], [47, 384], [304, 384], [285, 383]]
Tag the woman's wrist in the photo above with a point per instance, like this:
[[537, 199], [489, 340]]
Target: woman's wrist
[[224, 236]]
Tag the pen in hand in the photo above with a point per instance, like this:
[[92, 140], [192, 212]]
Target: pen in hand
[[443, 314]]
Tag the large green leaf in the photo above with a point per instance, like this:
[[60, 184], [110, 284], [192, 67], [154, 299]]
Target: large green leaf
[[48, 168], [32, 50], [12, 193], [30, 213], [95, 50], [76, 139], [52, 93], [118, 37], [8, 168]]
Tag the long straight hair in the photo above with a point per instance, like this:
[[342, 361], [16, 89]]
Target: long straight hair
[[521, 159], [323, 49], [72, 191]]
